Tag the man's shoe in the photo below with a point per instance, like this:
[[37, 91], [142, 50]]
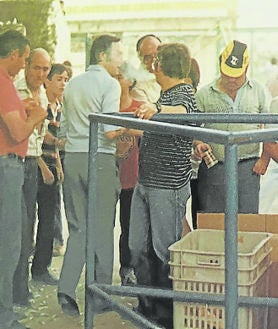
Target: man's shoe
[[68, 305], [45, 278]]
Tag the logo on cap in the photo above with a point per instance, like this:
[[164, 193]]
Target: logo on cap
[[234, 59]]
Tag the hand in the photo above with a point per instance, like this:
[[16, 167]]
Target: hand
[[60, 174], [261, 165], [48, 177], [200, 148], [146, 111], [30, 105], [37, 114]]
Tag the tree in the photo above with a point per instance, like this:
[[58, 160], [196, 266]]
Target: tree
[[37, 16]]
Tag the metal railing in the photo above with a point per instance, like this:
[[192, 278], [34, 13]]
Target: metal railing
[[184, 125]]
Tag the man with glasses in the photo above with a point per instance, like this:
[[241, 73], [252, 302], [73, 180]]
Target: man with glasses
[[147, 91]]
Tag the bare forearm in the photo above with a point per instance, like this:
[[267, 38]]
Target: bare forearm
[[271, 149]]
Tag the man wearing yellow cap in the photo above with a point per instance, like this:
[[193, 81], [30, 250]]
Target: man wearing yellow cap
[[231, 92]]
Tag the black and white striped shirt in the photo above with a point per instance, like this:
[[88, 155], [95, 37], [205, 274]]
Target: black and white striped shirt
[[164, 160]]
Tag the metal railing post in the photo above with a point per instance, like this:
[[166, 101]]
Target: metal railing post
[[90, 231], [231, 246]]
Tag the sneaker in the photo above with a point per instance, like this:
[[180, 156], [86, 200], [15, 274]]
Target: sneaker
[[45, 278], [58, 250], [128, 277]]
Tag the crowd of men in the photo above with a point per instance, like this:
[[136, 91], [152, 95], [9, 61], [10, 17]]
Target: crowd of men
[[44, 142]]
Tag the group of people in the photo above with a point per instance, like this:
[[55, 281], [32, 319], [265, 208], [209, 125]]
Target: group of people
[[44, 140], [31, 169]]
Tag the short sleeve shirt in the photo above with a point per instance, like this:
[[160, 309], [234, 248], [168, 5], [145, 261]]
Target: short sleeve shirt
[[10, 102], [164, 160], [251, 98]]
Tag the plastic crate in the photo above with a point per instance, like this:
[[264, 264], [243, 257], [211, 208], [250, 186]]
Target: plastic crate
[[206, 248], [197, 265]]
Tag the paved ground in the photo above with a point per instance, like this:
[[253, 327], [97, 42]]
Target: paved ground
[[45, 312]]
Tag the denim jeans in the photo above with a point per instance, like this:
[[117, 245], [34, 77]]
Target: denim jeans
[[155, 224], [11, 181]]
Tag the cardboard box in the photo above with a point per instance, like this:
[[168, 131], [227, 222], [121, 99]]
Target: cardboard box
[[253, 223]]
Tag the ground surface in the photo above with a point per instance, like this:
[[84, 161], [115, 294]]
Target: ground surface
[[45, 312]]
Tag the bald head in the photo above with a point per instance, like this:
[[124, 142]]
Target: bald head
[[37, 68], [147, 51], [38, 52]]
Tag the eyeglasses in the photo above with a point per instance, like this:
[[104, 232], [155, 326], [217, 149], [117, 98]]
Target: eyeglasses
[[155, 63], [147, 58]]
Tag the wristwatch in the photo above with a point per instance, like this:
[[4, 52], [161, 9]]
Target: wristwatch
[[158, 107]]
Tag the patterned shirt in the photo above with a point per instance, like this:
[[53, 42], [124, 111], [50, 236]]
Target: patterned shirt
[[164, 160], [251, 98], [36, 138]]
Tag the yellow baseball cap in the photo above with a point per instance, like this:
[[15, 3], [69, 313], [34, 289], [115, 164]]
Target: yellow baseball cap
[[234, 59]]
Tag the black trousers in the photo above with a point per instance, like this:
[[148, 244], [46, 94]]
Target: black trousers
[[194, 201], [125, 203], [21, 276], [46, 200]]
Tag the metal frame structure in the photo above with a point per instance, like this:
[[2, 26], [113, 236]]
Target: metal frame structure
[[184, 125]]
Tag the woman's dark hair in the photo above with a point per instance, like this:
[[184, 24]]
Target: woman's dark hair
[[56, 68], [174, 59], [12, 40], [194, 73], [101, 44]]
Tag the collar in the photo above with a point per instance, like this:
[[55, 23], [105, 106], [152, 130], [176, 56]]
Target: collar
[[96, 67], [213, 86]]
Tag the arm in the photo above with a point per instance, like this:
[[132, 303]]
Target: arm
[[200, 147], [19, 128], [114, 134], [261, 165], [147, 111], [59, 168], [50, 139], [48, 177]]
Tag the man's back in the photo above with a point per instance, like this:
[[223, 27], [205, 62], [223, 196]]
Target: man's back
[[93, 91]]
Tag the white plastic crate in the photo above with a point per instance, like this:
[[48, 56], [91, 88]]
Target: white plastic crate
[[197, 265], [206, 248]]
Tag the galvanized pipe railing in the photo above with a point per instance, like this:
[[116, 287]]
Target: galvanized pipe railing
[[185, 125]]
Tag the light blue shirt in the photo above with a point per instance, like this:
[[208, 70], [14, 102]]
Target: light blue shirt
[[92, 91], [251, 98]]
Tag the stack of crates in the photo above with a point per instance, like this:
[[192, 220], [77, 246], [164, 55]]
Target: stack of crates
[[197, 264]]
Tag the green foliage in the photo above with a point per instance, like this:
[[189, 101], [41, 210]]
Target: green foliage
[[38, 17]]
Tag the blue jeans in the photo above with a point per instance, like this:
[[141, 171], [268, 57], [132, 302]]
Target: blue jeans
[[155, 224], [11, 181]]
